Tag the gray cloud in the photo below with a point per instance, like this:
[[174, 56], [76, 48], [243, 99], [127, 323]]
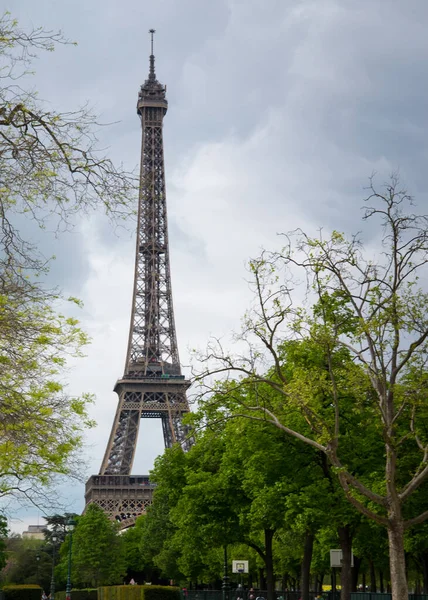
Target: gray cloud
[[278, 113]]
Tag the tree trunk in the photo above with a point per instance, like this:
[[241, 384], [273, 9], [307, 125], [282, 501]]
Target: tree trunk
[[270, 580], [382, 587], [345, 539], [355, 571], [372, 577], [397, 561], [417, 587], [319, 585], [306, 565], [262, 581]]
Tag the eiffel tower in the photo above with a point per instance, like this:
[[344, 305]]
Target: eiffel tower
[[152, 386]]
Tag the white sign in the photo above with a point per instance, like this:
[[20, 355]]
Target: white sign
[[336, 558], [239, 566]]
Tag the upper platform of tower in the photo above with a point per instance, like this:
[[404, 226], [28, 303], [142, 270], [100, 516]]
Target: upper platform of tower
[[152, 92]]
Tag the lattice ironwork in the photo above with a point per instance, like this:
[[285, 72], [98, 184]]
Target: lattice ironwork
[[152, 385], [152, 345], [122, 498]]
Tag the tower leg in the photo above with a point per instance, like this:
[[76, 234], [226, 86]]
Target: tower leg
[[120, 451], [168, 431]]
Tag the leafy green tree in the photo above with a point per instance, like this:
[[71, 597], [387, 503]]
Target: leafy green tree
[[132, 541], [276, 489], [232, 487], [97, 551], [157, 543], [41, 427], [371, 545], [57, 525], [28, 561], [52, 170], [139, 566], [312, 494], [372, 310]]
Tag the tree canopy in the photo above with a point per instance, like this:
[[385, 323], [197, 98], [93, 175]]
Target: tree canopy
[[365, 316], [51, 170], [98, 556]]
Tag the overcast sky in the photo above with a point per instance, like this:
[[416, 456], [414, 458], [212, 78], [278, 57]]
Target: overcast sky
[[279, 111]]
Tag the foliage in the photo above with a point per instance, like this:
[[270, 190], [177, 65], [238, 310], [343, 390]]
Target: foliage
[[3, 537], [138, 592], [57, 525], [131, 541], [52, 169], [241, 483], [371, 544], [158, 530], [50, 161], [160, 592], [139, 565], [97, 551], [87, 594], [29, 561], [121, 592], [41, 427], [22, 592], [366, 319]]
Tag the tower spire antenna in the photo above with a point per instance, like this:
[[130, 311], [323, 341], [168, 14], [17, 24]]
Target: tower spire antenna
[[152, 32], [152, 75]]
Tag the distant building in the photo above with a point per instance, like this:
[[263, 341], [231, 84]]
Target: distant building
[[34, 532]]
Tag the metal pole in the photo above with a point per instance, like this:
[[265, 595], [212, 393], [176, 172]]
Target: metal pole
[[52, 594], [68, 588], [334, 583], [225, 585]]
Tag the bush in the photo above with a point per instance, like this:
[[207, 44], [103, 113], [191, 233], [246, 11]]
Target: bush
[[120, 592], [22, 592], [88, 594], [161, 592], [138, 592]]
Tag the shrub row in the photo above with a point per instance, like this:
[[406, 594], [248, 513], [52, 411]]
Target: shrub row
[[22, 592], [138, 592], [89, 594], [121, 592], [161, 592]]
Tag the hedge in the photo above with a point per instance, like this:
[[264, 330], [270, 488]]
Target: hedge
[[138, 592], [161, 592], [121, 592], [87, 594], [22, 592]]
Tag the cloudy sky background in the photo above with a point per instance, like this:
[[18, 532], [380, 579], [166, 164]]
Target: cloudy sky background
[[279, 111]]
